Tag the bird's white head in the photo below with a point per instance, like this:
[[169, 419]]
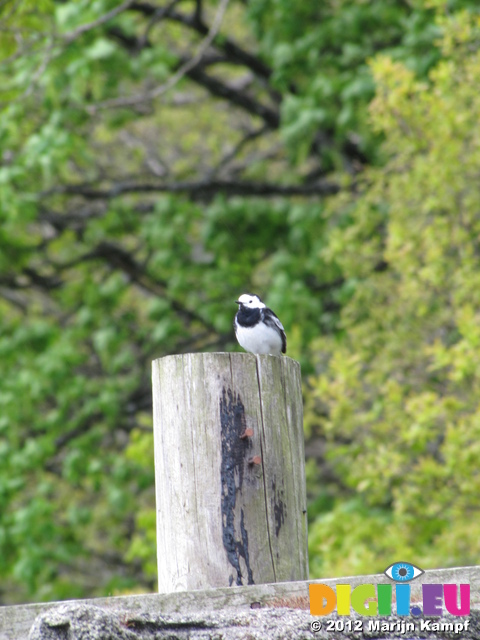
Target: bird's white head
[[251, 301]]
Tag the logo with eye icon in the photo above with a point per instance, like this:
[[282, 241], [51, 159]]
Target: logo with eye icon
[[403, 572], [382, 599]]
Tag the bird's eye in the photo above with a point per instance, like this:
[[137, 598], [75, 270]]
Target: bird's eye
[[403, 572]]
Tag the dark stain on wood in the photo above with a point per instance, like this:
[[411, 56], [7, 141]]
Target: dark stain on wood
[[234, 458], [243, 548], [279, 506]]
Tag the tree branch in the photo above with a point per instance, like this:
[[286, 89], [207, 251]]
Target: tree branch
[[75, 33], [200, 189], [233, 50], [184, 69], [232, 154], [118, 258], [241, 99]]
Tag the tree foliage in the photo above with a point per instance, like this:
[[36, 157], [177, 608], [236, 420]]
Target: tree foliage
[[402, 387], [160, 158]]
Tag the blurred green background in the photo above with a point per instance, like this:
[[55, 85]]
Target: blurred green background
[[157, 159]]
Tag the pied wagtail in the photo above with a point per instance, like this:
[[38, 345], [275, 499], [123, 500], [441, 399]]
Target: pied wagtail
[[257, 328]]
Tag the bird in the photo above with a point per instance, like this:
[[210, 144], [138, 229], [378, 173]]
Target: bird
[[257, 328]]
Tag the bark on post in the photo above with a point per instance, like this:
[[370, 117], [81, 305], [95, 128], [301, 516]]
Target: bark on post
[[229, 470]]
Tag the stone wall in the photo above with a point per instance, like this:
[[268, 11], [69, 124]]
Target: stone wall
[[260, 612]]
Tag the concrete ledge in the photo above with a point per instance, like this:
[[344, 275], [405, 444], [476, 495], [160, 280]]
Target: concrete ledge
[[16, 621]]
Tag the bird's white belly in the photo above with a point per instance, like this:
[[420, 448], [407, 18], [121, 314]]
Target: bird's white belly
[[259, 339]]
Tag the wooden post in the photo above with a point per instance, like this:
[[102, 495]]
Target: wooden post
[[229, 470]]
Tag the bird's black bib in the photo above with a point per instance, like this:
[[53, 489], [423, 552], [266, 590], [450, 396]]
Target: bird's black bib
[[248, 317]]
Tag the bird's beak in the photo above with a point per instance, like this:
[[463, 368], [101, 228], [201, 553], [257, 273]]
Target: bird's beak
[[237, 302]]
